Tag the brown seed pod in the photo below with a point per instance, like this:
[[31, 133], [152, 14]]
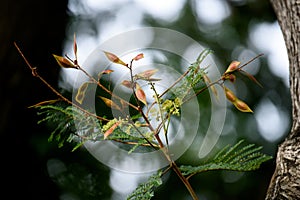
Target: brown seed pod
[[242, 106], [230, 95]]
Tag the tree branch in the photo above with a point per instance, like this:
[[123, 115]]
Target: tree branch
[[35, 74]]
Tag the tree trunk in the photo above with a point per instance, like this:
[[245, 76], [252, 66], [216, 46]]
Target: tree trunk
[[285, 183]]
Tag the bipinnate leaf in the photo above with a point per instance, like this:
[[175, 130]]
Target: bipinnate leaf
[[235, 158], [145, 191], [203, 55], [113, 58], [64, 120], [64, 62]]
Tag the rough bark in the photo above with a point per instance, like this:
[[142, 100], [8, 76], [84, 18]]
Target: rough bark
[[285, 183]]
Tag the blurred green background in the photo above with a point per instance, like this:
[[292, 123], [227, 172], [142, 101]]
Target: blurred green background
[[33, 168]]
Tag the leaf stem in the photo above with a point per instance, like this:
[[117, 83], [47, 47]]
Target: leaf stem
[[157, 99], [184, 180], [165, 150], [104, 88]]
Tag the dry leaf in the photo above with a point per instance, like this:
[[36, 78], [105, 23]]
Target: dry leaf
[[64, 62], [110, 103], [81, 92], [140, 94], [111, 130], [138, 57], [115, 59]]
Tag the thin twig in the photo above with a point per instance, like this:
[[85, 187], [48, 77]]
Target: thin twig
[[251, 60], [185, 181], [177, 81], [156, 96], [200, 91], [35, 74], [161, 145], [104, 88], [135, 143]]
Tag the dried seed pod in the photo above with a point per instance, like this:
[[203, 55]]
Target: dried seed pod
[[242, 106], [239, 104], [230, 95], [230, 77]]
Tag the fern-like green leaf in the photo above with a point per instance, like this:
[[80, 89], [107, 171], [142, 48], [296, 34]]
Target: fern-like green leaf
[[64, 119], [132, 141], [235, 158], [73, 125], [194, 79], [145, 191]]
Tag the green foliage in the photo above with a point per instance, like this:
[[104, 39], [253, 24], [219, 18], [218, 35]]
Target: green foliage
[[75, 124], [193, 78], [172, 106], [133, 137], [234, 158], [196, 73], [88, 128], [64, 118], [145, 191]]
